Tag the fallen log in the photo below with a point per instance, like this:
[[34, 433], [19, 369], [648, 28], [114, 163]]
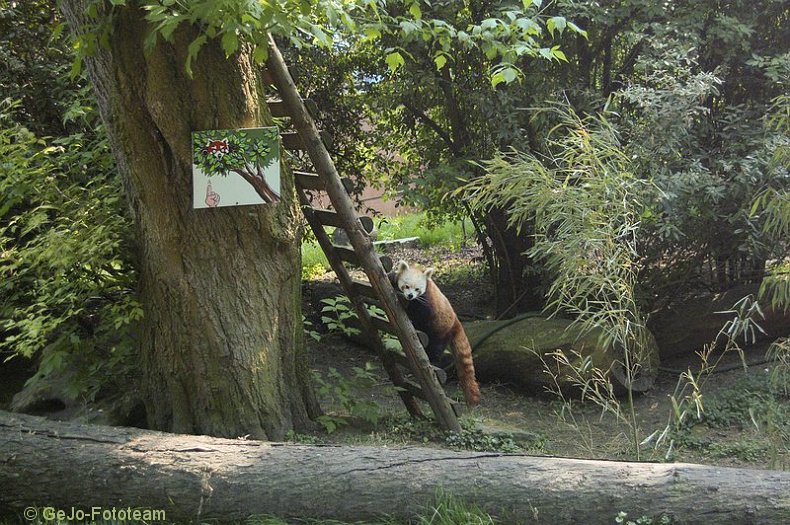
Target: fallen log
[[66, 466]]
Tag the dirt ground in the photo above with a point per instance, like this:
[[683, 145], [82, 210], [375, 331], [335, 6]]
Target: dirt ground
[[742, 430]]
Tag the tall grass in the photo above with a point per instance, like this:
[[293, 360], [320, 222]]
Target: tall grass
[[585, 205]]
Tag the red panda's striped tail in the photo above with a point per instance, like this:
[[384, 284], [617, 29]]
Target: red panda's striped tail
[[464, 366]]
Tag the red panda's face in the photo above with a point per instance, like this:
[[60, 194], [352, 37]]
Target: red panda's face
[[411, 282]]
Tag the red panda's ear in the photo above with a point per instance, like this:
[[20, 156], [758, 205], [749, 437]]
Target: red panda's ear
[[401, 266], [429, 273]]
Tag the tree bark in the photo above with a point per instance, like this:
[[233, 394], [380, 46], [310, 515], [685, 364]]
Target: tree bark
[[221, 339], [64, 465], [517, 290]]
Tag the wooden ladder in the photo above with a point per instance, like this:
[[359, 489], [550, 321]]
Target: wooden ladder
[[377, 290]]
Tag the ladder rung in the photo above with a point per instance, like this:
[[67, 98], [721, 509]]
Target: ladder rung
[[313, 181], [278, 108], [382, 324], [331, 218], [364, 288], [414, 390], [327, 217], [350, 256], [310, 181], [398, 358], [293, 141], [346, 254]]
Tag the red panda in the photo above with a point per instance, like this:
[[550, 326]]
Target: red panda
[[431, 312]]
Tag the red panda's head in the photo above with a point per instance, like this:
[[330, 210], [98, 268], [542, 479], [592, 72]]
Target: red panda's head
[[410, 281]]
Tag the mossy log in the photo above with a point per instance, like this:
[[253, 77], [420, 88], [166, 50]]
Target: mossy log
[[67, 466], [519, 353]]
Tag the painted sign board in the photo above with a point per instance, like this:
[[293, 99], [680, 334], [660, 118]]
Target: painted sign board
[[235, 167]]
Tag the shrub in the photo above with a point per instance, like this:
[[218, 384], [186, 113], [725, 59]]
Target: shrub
[[66, 293]]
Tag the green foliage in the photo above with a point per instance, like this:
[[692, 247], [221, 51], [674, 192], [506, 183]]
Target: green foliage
[[504, 35], [310, 330], [65, 255], [338, 310], [35, 62], [415, 430], [314, 262], [270, 520], [688, 404], [752, 401], [304, 439], [345, 392], [475, 439], [235, 25], [705, 212], [773, 204], [689, 84], [470, 437], [504, 38]]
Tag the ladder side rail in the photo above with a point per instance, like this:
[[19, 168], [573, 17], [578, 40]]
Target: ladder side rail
[[344, 206]]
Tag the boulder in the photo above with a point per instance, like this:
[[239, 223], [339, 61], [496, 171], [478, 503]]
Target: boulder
[[515, 352]]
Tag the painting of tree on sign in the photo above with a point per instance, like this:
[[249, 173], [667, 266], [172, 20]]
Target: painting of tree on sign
[[234, 167]]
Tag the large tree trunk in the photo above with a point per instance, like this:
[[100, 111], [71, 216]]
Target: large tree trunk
[[221, 339], [65, 465], [517, 283]]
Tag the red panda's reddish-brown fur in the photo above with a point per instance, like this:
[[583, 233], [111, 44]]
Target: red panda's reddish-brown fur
[[432, 313]]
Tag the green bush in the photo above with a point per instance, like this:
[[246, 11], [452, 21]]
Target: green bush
[[67, 288]]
